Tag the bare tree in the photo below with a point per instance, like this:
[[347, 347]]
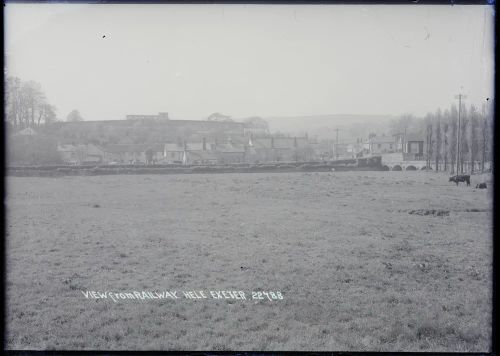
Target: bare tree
[[453, 138], [428, 120], [438, 139], [474, 144], [402, 123], [47, 114], [74, 116], [464, 144], [217, 116], [26, 104], [446, 126], [257, 123], [11, 94], [34, 100], [485, 134]]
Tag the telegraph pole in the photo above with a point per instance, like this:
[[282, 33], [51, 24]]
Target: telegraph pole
[[337, 144], [404, 149], [459, 97]]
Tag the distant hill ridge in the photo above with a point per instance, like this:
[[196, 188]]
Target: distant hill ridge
[[324, 125]]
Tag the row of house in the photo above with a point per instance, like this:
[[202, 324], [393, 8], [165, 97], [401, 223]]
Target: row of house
[[239, 150], [410, 147], [248, 147], [234, 150]]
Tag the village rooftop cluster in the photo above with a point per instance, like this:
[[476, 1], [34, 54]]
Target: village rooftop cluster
[[204, 142]]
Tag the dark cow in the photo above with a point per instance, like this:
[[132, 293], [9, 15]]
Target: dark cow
[[460, 178], [481, 186]]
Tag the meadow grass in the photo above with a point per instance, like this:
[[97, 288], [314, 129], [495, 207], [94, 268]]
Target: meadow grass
[[358, 271]]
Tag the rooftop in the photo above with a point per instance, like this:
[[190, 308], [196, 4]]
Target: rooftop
[[280, 142], [201, 155], [230, 148], [137, 148], [383, 139], [414, 137]]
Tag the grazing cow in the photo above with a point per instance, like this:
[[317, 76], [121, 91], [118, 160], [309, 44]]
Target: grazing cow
[[460, 178], [481, 186]]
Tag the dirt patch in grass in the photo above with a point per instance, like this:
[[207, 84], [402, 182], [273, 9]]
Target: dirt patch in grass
[[433, 212]]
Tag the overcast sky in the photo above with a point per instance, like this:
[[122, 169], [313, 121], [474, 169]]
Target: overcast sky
[[242, 60]]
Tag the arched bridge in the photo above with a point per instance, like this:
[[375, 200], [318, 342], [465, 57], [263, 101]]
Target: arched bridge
[[403, 165]]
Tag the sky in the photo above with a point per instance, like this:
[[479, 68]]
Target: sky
[[111, 60]]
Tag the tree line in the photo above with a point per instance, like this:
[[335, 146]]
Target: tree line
[[26, 105], [450, 146]]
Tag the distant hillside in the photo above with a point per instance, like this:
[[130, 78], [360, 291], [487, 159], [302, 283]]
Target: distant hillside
[[142, 131], [323, 126]]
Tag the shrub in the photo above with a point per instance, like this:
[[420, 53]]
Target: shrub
[[32, 150]]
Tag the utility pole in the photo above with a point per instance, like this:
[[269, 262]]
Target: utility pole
[[337, 144], [403, 149], [459, 97], [427, 155]]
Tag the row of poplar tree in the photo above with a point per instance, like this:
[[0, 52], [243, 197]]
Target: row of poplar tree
[[444, 138]]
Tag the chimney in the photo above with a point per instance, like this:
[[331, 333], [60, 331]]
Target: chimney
[[185, 145], [295, 141], [272, 142], [163, 115], [204, 144]]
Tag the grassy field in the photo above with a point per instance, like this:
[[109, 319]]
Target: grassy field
[[360, 265]]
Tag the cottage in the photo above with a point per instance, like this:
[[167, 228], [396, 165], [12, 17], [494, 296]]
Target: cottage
[[264, 149], [132, 153], [81, 153], [261, 149], [200, 157], [93, 154], [230, 153], [383, 144], [414, 148], [173, 153], [190, 153], [343, 150], [67, 153]]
